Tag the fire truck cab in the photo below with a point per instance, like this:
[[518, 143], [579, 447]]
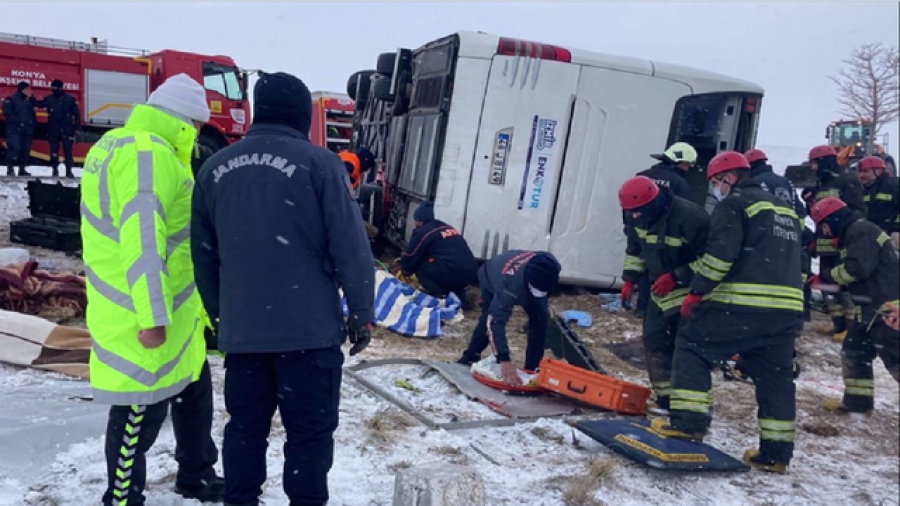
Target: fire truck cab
[[108, 81], [525, 145]]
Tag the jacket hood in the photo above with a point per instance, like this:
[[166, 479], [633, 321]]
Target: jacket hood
[[180, 134]]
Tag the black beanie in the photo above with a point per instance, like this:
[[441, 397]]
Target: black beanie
[[425, 212], [57, 83], [366, 159], [22, 85], [542, 272], [284, 99]]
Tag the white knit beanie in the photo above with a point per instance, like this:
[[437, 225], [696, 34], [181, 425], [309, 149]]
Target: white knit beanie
[[181, 95]]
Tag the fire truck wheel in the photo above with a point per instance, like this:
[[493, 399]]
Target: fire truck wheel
[[382, 88], [385, 64], [364, 84]]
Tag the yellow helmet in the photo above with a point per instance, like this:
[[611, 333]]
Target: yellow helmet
[[680, 152]]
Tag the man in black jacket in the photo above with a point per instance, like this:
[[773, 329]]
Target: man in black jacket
[[666, 237], [439, 256], [882, 195], [63, 120], [18, 111], [746, 298], [869, 269], [275, 234], [672, 167], [834, 182], [515, 278]]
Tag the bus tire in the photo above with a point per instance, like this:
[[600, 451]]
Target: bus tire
[[355, 89], [381, 88], [385, 64]]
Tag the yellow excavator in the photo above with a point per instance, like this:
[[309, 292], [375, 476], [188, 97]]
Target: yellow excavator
[[853, 140]]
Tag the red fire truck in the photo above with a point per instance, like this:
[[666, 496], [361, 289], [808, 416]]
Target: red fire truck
[[332, 120], [107, 81]]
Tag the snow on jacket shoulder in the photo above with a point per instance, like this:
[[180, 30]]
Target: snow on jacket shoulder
[[275, 234]]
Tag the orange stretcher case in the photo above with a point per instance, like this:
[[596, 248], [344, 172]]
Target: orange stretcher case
[[593, 388]]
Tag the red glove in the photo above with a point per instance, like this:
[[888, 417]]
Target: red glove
[[664, 284], [689, 302], [627, 291]]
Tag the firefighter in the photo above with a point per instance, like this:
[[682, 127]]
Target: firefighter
[[357, 164], [147, 343], [771, 182], [515, 278], [439, 256], [665, 235], [869, 269], [882, 195], [833, 182], [746, 298], [64, 119], [18, 110], [274, 245], [668, 173]]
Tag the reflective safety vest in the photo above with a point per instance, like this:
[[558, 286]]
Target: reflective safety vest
[[136, 212]]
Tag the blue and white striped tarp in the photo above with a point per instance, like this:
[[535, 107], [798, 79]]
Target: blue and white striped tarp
[[402, 309]]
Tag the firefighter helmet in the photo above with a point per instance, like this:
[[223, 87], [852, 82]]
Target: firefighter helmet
[[821, 152], [755, 155], [725, 161], [825, 208], [637, 192], [871, 163], [680, 152]]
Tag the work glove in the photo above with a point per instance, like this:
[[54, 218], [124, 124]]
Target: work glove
[[627, 292], [687, 307], [664, 284], [359, 335]]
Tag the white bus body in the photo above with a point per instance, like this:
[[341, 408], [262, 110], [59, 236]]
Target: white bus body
[[524, 146]]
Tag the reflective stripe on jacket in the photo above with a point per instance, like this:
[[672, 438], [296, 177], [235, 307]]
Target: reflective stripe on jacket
[[135, 205], [753, 256], [883, 202]]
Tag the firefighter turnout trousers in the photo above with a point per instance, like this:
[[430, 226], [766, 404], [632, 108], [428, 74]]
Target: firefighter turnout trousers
[[132, 430], [659, 347], [869, 337], [766, 345], [305, 387], [840, 308]]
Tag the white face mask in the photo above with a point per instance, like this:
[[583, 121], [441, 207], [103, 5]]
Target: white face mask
[[717, 193], [536, 293]]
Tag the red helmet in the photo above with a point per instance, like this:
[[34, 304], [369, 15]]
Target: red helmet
[[755, 155], [725, 161], [871, 163], [637, 192], [825, 208], [821, 152]]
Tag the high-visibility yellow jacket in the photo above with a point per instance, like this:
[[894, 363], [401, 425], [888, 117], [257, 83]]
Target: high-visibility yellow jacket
[[136, 212]]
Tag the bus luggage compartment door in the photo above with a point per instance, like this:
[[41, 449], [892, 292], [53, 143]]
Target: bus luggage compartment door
[[518, 155]]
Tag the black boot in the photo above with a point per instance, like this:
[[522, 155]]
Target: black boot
[[10, 171], [69, 173], [210, 491], [55, 171], [23, 172]]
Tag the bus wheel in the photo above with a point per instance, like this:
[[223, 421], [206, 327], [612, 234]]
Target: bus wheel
[[385, 64]]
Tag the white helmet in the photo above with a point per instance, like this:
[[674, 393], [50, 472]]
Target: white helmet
[[680, 152]]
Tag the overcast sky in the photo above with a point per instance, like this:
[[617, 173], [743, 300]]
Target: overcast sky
[[789, 49]]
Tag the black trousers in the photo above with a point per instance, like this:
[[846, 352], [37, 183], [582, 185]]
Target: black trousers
[[480, 340], [867, 339], [659, 348], [132, 430], [765, 342], [643, 286], [18, 151], [434, 282], [305, 387], [67, 142]]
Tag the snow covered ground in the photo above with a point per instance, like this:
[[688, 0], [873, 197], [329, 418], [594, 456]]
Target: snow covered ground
[[51, 441]]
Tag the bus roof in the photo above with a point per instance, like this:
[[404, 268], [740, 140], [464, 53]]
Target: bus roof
[[484, 46]]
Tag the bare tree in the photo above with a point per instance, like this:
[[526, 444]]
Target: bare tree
[[869, 85]]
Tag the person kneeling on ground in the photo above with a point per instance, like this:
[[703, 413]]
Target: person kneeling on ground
[[439, 256], [515, 278]]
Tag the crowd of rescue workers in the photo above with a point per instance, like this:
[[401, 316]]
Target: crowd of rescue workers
[[265, 256]]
